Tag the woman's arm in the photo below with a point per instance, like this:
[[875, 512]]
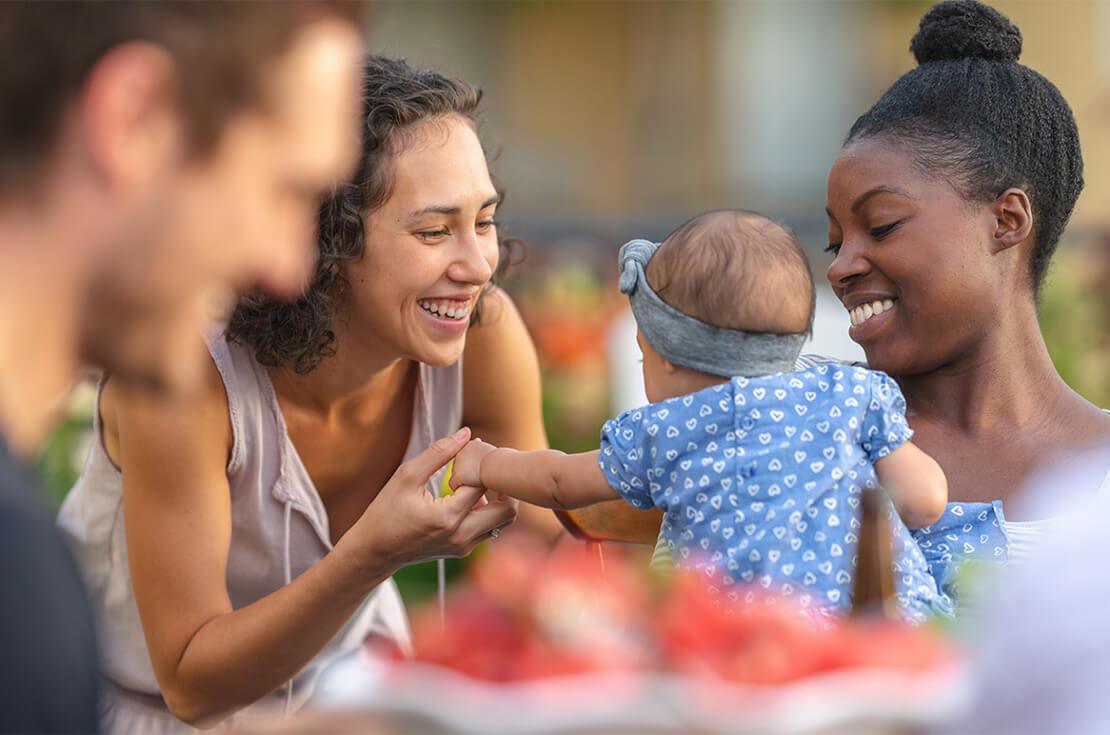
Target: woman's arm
[[502, 400], [916, 484], [545, 477], [210, 659]]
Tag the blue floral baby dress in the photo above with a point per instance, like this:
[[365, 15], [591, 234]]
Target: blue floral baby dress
[[760, 480]]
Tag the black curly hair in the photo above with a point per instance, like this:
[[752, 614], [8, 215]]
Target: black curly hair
[[972, 114], [396, 98]]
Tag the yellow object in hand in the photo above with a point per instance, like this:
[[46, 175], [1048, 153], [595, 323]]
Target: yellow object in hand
[[445, 488]]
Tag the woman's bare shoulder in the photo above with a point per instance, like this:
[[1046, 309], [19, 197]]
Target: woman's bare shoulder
[[1087, 422], [158, 416], [501, 377], [500, 342]]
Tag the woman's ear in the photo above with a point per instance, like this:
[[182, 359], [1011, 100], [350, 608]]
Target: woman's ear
[[1013, 219], [669, 366]]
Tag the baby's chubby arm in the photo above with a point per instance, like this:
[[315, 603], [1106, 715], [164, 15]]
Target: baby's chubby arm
[[916, 484], [547, 478]]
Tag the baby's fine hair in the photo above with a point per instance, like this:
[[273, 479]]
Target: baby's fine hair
[[737, 270]]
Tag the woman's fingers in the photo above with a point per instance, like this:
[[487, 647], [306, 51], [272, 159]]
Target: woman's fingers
[[478, 523], [420, 468], [462, 500]]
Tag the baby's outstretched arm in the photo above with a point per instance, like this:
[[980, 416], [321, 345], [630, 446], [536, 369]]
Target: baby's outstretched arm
[[916, 484], [547, 478]]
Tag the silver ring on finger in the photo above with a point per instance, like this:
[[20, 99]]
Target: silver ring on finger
[[494, 533]]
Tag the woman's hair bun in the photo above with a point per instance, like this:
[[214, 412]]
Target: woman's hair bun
[[965, 29]]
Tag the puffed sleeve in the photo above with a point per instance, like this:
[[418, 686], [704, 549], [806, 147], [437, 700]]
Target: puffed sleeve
[[624, 456], [884, 426]]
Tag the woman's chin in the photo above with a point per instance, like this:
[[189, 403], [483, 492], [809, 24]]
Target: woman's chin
[[882, 357], [439, 355], [898, 363]]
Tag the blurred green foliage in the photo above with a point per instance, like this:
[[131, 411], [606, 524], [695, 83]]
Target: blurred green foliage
[[63, 457], [1075, 320]]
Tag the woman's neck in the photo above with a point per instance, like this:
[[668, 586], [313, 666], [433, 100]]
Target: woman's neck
[[1007, 379], [351, 386]]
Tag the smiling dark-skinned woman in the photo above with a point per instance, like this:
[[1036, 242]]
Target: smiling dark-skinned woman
[[945, 207]]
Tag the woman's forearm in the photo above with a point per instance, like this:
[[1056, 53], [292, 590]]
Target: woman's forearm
[[237, 658]]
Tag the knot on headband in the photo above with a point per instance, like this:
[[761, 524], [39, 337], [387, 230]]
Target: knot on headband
[[634, 257]]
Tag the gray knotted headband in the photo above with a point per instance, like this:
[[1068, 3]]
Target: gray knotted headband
[[692, 343]]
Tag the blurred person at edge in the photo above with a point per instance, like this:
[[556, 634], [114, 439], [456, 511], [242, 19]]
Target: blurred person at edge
[[149, 153], [1041, 654]]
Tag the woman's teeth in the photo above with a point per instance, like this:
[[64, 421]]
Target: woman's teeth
[[863, 312], [446, 309]]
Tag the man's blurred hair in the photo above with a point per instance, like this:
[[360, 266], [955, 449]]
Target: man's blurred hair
[[220, 48]]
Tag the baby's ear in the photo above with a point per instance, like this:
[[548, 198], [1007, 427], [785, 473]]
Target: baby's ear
[[669, 366]]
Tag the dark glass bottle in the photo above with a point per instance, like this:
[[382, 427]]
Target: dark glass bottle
[[873, 593]]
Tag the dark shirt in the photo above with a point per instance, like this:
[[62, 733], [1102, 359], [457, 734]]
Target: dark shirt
[[49, 679]]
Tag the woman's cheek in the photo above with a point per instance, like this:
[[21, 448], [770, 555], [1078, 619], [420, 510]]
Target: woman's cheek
[[493, 254]]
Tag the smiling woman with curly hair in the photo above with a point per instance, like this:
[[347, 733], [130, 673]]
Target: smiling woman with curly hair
[[299, 334], [264, 519]]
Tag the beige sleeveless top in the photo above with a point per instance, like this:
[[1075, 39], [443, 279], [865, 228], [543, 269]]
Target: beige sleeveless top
[[279, 529]]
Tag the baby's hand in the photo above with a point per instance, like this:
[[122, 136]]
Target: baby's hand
[[468, 464]]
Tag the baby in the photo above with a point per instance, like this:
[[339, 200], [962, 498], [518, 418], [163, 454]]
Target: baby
[[758, 467]]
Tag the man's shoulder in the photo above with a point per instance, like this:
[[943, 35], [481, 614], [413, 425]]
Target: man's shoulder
[[19, 507], [29, 541], [48, 674]]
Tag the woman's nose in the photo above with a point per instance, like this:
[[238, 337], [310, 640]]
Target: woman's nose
[[848, 265], [472, 264]]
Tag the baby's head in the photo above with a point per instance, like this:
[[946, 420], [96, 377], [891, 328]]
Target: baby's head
[[731, 269]]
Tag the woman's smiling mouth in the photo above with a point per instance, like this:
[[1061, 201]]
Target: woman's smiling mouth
[[448, 309], [868, 317], [863, 312]]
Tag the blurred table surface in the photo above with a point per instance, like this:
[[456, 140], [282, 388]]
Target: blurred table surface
[[348, 723]]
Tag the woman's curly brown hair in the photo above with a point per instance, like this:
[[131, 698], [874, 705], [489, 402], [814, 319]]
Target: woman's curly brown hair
[[396, 97]]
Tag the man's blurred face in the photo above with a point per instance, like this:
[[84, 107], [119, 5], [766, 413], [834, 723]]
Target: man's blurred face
[[242, 215]]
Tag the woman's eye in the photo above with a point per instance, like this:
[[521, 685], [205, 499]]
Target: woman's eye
[[432, 234], [833, 247], [880, 232], [486, 225]]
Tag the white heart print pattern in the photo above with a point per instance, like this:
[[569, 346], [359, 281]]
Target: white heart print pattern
[[728, 463]]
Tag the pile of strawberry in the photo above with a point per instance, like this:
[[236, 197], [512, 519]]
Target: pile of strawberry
[[522, 614]]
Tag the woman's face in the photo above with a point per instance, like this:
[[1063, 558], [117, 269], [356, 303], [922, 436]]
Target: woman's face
[[912, 260], [430, 248]]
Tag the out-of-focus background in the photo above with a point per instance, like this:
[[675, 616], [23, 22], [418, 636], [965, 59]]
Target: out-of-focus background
[[613, 120]]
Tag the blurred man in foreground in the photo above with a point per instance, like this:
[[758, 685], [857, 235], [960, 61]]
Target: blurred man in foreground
[[152, 155]]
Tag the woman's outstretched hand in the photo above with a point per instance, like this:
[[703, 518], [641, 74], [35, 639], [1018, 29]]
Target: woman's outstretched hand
[[405, 524]]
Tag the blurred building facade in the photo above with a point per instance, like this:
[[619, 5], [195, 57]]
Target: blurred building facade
[[623, 118], [612, 120]]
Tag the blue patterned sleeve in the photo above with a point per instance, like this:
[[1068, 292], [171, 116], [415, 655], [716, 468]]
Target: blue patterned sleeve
[[884, 427], [623, 457]]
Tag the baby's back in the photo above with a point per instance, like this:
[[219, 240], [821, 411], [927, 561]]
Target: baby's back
[[760, 478]]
